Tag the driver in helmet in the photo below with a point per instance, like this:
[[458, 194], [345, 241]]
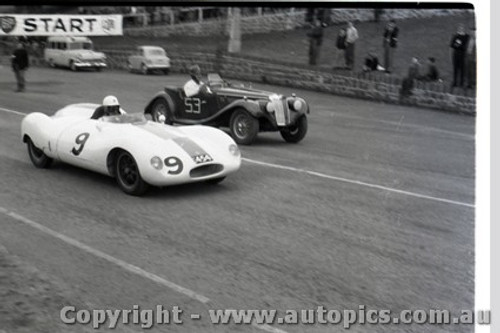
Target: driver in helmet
[[195, 85], [109, 107]]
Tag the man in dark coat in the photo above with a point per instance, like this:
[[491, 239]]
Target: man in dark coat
[[20, 63], [390, 43], [315, 40], [458, 45]]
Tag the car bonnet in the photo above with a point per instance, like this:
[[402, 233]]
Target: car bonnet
[[188, 145]]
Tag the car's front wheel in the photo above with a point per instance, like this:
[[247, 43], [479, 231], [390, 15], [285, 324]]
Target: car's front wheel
[[160, 108], [144, 69], [243, 126], [37, 156], [127, 175], [297, 132], [72, 66]]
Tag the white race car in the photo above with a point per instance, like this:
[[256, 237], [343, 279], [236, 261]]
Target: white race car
[[134, 150]]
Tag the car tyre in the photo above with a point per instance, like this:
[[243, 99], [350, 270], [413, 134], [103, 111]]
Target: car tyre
[[52, 63], [129, 67], [72, 66], [297, 132], [37, 156], [160, 107], [144, 69], [128, 176], [243, 126], [166, 71], [215, 181]]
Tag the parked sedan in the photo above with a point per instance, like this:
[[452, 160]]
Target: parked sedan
[[149, 58]]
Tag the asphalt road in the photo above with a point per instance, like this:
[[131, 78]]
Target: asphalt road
[[375, 207]]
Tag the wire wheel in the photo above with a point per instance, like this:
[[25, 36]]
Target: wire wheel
[[244, 127]]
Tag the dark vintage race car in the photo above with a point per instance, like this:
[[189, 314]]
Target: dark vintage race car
[[245, 111]]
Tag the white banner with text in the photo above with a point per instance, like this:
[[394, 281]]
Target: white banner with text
[[60, 25]]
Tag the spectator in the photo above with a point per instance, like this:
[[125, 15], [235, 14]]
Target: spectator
[[20, 63], [390, 44], [351, 37], [371, 63], [459, 47], [471, 60], [432, 73], [340, 44], [315, 41], [409, 81]]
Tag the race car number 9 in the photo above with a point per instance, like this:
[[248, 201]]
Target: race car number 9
[[80, 140], [174, 165]]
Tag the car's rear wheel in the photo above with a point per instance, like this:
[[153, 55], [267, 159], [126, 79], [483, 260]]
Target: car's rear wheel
[[144, 69], [160, 108], [166, 71], [37, 156], [243, 126], [129, 67], [297, 132], [215, 181], [127, 175]]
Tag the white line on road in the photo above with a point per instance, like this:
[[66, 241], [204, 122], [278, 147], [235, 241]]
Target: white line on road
[[357, 182], [125, 265], [128, 267], [12, 111]]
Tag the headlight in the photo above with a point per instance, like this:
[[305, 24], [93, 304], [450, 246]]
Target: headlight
[[297, 105], [269, 107], [156, 163], [234, 150]]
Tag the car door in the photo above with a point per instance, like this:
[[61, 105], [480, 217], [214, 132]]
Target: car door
[[82, 145], [200, 106]]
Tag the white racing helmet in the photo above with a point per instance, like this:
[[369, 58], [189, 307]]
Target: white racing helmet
[[110, 101]]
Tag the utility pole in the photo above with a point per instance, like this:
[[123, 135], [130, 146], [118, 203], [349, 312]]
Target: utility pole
[[234, 45]]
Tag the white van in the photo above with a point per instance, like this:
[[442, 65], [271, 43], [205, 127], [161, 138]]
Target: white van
[[73, 52]]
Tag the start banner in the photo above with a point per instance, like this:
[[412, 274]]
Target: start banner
[[60, 25]]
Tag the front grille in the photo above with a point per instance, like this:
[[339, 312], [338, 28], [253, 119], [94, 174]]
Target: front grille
[[206, 170], [281, 111]]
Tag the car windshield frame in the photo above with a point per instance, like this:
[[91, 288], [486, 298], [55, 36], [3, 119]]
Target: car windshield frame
[[127, 118]]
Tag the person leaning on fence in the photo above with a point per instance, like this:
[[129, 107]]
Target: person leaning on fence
[[409, 81], [20, 63], [432, 73], [371, 63]]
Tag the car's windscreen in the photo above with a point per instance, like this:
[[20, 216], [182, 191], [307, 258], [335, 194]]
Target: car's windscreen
[[129, 118], [80, 46], [155, 53]]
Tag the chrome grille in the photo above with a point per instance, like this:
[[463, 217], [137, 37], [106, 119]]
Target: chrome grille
[[206, 170], [281, 111]]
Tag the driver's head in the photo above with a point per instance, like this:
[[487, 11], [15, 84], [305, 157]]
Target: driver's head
[[111, 105], [195, 71]]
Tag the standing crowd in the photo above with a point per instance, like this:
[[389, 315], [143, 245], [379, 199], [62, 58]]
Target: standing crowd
[[462, 47]]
